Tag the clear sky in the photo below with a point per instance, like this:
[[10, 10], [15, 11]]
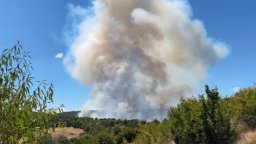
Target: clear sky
[[40, 25]]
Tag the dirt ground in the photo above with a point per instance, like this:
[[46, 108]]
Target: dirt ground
[[247, 138], [68, 132]]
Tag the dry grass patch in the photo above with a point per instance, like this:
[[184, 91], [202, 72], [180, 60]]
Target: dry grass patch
[[68, 132], [247, 138]]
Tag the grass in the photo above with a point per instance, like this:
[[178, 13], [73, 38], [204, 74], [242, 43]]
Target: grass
[[68, 132]]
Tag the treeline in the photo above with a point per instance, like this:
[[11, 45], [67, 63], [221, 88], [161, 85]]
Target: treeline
[[70, 119], [98, 130], [206, 119]]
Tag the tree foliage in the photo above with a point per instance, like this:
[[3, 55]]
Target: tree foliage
[[23, 101], [154, 133], [242, 107], [202, 121], [98, 131]]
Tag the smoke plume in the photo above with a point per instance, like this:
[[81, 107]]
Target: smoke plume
[[140, 55]]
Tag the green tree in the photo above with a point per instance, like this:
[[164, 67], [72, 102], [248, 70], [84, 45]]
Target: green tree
[[202, 121], [24, 115], [216, 122], [154, 133], [127, 134], [185, 122], [242, 106]]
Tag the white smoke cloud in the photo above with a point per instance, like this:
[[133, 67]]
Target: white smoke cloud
[[141, 56]]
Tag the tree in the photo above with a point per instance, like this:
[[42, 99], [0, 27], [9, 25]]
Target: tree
[[243, 107], [216, 122], [24, 115], [202, 121], [154, 133], [185, 122]]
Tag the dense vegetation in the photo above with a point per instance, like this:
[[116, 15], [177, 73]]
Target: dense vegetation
[[25, 118], [202, 121], [207, 119], [99, 130]]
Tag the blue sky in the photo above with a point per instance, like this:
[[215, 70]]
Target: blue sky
[[39, 26]]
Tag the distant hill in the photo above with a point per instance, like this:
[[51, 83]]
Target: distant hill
[[69, 114]]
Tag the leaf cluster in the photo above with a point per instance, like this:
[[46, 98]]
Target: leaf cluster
[[23, 100]]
